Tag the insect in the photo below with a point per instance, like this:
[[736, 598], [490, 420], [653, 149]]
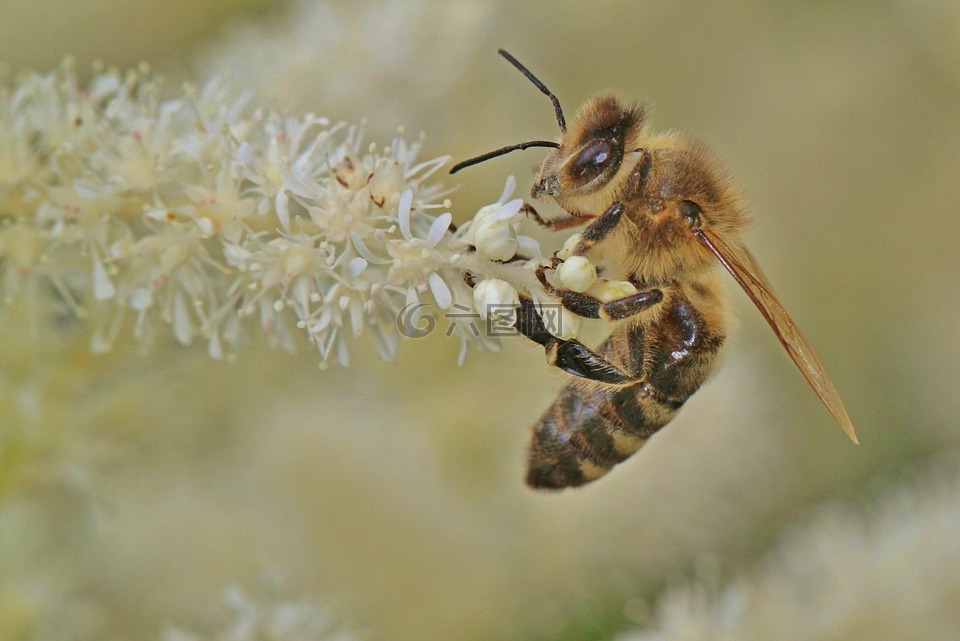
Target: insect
[[663, 212]]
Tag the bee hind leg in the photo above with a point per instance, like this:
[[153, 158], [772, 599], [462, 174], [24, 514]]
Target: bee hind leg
[[575, 358], [571, 356]]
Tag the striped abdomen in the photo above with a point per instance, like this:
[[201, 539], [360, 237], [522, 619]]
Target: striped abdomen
[[593, 426]]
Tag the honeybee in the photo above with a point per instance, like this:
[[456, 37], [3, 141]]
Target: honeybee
[[662, 211]]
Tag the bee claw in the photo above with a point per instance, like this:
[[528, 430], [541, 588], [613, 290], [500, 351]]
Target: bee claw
[[541, 274]]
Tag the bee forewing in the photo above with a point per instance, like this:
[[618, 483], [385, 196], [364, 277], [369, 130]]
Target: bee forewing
[[743, 267]]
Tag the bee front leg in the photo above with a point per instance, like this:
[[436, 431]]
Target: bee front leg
[[590, 306], [599, 229], [571, 356], [554, 224]]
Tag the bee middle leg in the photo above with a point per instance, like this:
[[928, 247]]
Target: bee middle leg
[[588, 306]]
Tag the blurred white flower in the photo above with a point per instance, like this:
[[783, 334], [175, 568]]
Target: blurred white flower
[[892, 574], [407, 50], [569, 245], [266, 615]]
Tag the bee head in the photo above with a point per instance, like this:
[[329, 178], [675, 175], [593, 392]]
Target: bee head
[[584, 166], [587, 167]]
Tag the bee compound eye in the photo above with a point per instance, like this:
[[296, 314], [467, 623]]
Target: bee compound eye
[[592, 160]]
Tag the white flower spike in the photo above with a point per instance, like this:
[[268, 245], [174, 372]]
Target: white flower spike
[[212, 217]]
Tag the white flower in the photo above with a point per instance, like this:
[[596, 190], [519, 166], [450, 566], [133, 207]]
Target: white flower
[[494, 229], [210, 214], [310, 38], [569, 324], [416, 260], [212, 217]]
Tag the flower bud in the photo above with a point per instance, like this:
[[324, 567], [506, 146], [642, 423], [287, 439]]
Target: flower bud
[[487, 211], [608, 290], [496, 238], [497, 295], [568, 246], [577, 273]]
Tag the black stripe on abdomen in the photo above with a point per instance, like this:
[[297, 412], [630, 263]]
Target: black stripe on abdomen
[[586, 432]]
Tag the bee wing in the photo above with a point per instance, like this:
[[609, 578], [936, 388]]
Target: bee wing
[[743, 267]]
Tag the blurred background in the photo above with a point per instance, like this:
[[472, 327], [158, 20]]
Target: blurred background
[[134, 489]]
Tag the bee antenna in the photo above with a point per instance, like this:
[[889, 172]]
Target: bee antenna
[[542, 87], [503, 150]]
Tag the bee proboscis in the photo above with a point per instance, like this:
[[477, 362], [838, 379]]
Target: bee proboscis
[[662, 211]]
